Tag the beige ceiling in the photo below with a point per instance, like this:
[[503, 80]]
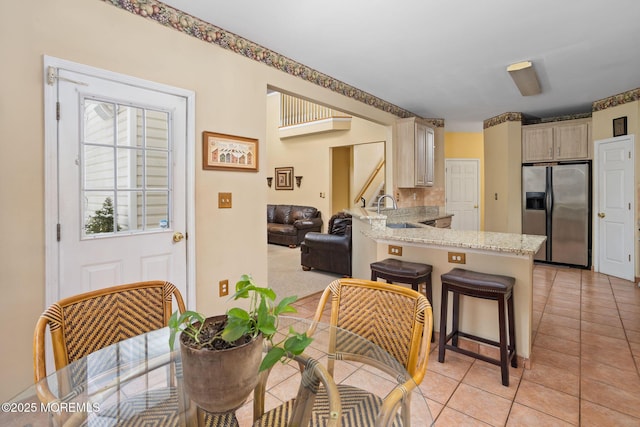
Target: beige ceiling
[[448, 58]]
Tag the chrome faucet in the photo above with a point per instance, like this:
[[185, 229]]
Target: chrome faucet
[[395, 206]]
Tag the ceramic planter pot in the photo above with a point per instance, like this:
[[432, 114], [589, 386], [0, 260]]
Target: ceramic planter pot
[[220, 381]]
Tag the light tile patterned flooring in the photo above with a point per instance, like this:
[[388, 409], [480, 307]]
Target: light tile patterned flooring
[[584, 361]]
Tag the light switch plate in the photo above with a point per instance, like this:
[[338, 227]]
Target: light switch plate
[[224, 200]]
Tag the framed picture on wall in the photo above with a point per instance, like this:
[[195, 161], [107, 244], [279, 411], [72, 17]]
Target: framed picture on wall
[[620, 126], [228, 152], [284, 178]]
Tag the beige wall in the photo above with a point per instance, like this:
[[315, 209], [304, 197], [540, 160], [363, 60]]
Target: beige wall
[[310, 156], [230, 98], [503, 160]]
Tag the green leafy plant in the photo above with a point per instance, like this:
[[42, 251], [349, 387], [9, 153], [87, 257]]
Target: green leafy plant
[[261, 318]]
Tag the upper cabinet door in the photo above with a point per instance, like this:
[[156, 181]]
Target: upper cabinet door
[[424, 156], [537, 144], [571, 141], [568, 140], [414, 151]]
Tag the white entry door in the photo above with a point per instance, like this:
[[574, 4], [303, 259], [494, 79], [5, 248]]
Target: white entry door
[[462, 193], [122, 188], [615, 207]]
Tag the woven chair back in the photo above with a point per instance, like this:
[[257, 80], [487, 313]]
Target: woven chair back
[[82, 324], [391, 316]]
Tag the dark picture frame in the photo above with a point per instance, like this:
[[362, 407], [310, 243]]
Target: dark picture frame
[[229, 152], [284, 178], [620, 126]]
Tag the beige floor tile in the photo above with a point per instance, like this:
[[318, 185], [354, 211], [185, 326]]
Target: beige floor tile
[[606, 330], [616, 357], [481, 405], [593, 415], [611, 375], [549, 401], [522, 416], [560, 321], [554, 378], [437, 387], [609, 396], [610, 319], [570, 364], [560, 345], [454, 366], [450, 417], [487, 377], [568, 334]]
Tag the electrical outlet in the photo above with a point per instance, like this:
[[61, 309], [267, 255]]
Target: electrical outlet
[[224, 287], [457, 258], [395, 250]]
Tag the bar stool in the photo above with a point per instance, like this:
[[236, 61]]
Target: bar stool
[[411, 273], [485, 286]]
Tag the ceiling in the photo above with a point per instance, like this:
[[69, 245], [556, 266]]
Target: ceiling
[[448, 59]]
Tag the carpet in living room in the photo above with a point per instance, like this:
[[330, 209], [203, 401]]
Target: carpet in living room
[[286, 276]]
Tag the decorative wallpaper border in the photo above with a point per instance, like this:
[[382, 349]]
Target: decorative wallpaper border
[[174, 18], [619, 99], [502, 118]]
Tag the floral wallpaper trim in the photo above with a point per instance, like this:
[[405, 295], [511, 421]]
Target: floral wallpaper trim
[[202, 30], [502, 118], [619, 99]]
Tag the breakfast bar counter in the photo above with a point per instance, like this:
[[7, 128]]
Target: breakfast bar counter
[[407, 239]]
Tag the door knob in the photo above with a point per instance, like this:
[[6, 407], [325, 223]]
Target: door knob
[[475, 206], [601, 214], [178, 236]]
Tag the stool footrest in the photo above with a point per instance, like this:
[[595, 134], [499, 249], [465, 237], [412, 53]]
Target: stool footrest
[[510, 349]]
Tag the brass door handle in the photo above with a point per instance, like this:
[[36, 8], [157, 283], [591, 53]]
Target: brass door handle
[[601, 214], [475, 206], [178, 236]]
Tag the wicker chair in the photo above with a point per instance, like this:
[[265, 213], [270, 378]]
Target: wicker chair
[[298, 411], [400, 321], [84, 323]]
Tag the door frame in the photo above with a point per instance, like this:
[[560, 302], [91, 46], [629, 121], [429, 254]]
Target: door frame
[[447, 163], [595, 259], [51, 169]]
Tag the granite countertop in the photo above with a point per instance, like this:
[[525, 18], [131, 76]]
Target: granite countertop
[[413, 215], [519, 244]]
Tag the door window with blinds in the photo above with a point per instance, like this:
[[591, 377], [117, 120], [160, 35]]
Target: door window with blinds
[[125, 158]]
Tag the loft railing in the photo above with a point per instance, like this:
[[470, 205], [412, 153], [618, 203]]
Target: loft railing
[[369, 182], [295, 111]]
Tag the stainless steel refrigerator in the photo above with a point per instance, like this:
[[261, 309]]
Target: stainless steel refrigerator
[[556, 201]]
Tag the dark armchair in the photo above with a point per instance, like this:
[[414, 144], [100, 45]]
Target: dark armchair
[[329, 252]]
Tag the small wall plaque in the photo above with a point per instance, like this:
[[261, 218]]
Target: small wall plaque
[[620, 126]]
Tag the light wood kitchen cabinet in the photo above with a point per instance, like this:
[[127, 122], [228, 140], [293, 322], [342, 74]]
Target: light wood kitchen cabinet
[[568, 140], [414, 144]]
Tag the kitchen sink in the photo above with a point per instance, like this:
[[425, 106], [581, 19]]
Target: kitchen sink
[[402, 225]]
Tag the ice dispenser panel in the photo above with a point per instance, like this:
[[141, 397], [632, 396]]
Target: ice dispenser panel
[[535, 200]]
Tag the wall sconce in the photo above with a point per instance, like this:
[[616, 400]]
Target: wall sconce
[[298, 180], [269, 181]]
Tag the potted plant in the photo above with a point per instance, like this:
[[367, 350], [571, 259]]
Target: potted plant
[[222, 355]]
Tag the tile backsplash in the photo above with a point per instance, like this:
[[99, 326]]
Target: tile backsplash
[[428, 196]]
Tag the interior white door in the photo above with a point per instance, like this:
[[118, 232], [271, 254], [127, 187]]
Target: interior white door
[[615, 207], [462, 193], [122, 184]]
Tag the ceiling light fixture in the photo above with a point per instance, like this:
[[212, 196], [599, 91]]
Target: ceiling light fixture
[[525, 77]]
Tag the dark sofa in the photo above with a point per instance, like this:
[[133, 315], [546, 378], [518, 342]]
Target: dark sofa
[[329, 252], [288, 224]]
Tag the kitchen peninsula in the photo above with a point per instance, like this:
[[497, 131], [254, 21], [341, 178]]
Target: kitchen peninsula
[[401, 234]]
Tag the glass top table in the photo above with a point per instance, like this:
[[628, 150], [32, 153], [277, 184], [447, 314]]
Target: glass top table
[[140, 378]]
